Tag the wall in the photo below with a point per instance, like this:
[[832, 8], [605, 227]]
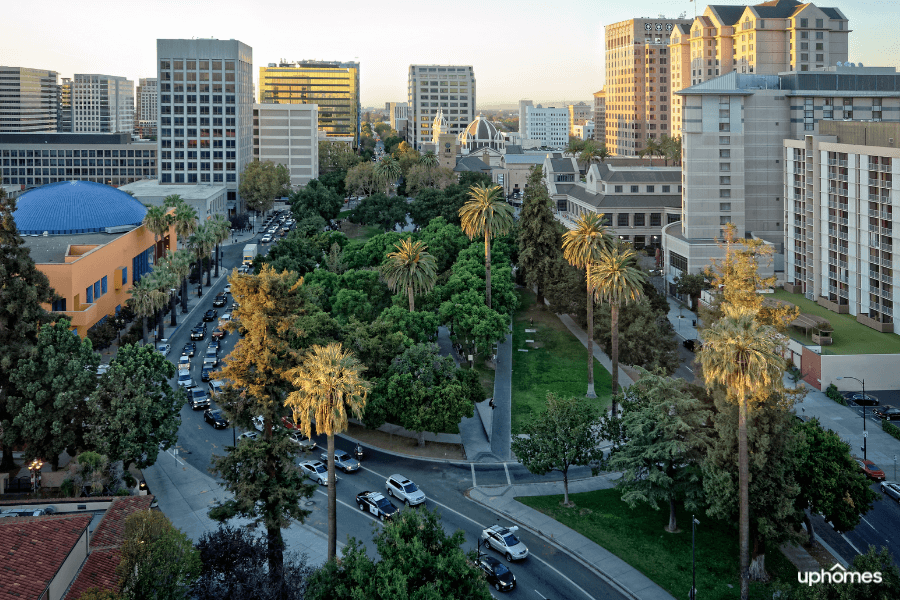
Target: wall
[[878, 370], [70, 567]]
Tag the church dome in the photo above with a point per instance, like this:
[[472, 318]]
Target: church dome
[[480, 133], [75, 207]]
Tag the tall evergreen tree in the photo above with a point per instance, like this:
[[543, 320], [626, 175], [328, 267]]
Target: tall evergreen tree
[[23, 291], [540, 235]]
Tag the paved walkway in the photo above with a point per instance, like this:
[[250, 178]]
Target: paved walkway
[[501, 417], [682, 320]]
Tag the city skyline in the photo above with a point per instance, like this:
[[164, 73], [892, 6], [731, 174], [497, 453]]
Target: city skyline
[[513, 52]]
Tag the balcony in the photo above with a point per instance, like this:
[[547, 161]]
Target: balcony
[[882, 326], [886, 231], [886, 262], [832, 162], [886, 294], [874, 182], [873, 166], [886, 167], [887, 279]]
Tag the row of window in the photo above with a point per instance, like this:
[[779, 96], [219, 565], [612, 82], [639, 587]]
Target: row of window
[[649, 189], [204, 133], [76, 162], [640, 220], [79, 153], [198, 178], [95, 291], [204, 121], [192, 154], [108, 179], [192, 166]]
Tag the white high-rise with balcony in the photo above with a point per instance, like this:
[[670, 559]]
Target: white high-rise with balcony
[[102, 104]]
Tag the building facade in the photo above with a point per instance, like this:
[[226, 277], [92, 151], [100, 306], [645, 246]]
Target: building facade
[[29, 100], [448, 88], [332, 86], [767, 39], [523, 108], [600, 117], [36, 159], [583, 132], [548, 125], [102, 104], [64, 114], [579, 114], [638, 86], [398, 115], [287, 134], [146, 114], [205, 112], [840, 226]]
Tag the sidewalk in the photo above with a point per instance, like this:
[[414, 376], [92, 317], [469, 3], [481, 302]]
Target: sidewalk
[[599, 354], [682, 320], [610, 568]]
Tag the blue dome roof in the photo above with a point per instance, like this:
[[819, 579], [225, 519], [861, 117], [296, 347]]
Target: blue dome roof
[[75, 207]]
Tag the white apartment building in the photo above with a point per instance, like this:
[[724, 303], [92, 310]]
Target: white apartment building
[[600, 117], [205, 112], [448, 88], [548, 125], [583, 132], [398, 114], [146, 115], [523, 107], [102, 104], [840, 226], [287, 134], [29, 100]]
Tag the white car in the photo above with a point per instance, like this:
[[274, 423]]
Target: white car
[[248, 435], [224, 318], [316, 471], [163, 349], [891, 489], [227, 288], [306, 444], [402, 488], [266, 239], [503, 540], [342, 461], [184, 362], [184, 379]]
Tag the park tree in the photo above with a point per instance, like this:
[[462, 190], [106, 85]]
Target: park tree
[[295, 252], [410, 267], [420, 177], [53, 382], [691, 284], [261, 182], [158, 560], [486, 215], [445, 241], [134, 412], [646, 337], [315, 199], [267, 488], [563, 435], [375, 342], [336, 156], [388, 171], [334, 180], [540, 235], [420, 326], [416, 559], [361, 180], [383, 211], [664, 437]]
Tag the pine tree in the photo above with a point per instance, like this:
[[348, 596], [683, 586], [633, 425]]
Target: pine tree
[[540, 235]]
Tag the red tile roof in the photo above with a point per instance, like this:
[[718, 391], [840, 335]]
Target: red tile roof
[[32, 549], [99, 571], [111, 530]]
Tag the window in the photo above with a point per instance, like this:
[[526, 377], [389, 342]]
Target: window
[[634, 189], [103, 285], [666, 189], [622, 220], [725, 206], [651, 189], [89, 294], [59, 305], [677, 261], [724, 220], [639, 219], [124, 275], [724, 193], [618, 189], [672, 218], [724, 179], [655, 219], [726, 153]]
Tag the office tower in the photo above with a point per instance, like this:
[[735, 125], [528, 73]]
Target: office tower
[[146, 115], [767, 39], [734, 155], [205, 112], [839, 235], [579, 114], [29, 100], [600, 117], [446, 88], [523, 108], [332, 86], [64, 114], [398, 114], [102, 104], [637, 82], [548, 125], [287, 134]]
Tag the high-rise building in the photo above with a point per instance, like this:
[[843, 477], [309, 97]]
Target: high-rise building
[[398, 114], [205, 112], [579, 114], [638, 82], [102, 104], [332, 86], [523, 108], [767, 39], [548, 125], [146, 115], [29, 100], [287, 134], [446, 88], [64, 115], [600, 117]]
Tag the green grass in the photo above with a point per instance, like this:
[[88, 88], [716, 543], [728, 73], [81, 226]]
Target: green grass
[[638, 537], [362, 233], [344, 214], [556, 362], [849, 337]]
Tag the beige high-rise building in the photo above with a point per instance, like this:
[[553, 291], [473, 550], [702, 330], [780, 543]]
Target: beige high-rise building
[[446, 88], [600, 116], [766, 39], [579, 114], [29, 100], [287, 134], [638, 85], [146, 113]]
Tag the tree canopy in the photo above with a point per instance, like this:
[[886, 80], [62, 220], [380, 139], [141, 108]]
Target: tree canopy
[[384, 211], [540, 235], [261, 182], [315, 199]]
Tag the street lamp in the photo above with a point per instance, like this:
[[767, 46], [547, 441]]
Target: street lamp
[[694, 523], [35, 468], [173, 292], [864, 399]]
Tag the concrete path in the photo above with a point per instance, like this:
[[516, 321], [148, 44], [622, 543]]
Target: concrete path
[[501, 418], [682, 320]]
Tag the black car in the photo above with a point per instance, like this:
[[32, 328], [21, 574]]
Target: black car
[[200, 324], [204, 374], [376, 504], [497, 574], [214, 343], [216, 418], [189, 349], [693, 345], [198, 398], [861, 400], [198, 333], [219, 301], [887, 412], [210, 315]]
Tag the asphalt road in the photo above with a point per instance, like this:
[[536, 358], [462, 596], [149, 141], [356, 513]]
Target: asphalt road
[[546, 573]]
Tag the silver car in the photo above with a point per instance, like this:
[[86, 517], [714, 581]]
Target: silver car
[[503, 540], [402, 488], [342, 461], [891, 489], [185, 380]]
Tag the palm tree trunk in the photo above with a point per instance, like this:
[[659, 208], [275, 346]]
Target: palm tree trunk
[[173, 305], [332, 502], [217, 261], [487, 267], [673, 522], [412, 299], [208, 271], [590, 345], [614, 351], [184, 295], [744, 474], [161, 324], [144, 326]]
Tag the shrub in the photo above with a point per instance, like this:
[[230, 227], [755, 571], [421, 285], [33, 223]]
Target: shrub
[[129, 479], [67, 488], [832, 392], [891, 429]]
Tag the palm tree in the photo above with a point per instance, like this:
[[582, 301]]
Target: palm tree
[[486, 214], [157, 221], [146, 298], [592, 153], [200, 243], [616, 282], [429, 160], [328, 384], [576, 146], [651, 148], [221, 228], [179, 263], [581, 247], [388, 170], [410, 267], [742, 356]]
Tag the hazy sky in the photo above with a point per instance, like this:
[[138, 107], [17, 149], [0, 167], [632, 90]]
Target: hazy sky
[[546, 50]]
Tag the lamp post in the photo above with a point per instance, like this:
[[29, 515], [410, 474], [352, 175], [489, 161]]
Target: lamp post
[[694, 523], [35, 468], [865, 399], [173, 292]]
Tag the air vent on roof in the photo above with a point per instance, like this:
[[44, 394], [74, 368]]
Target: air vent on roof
[[119, 229]]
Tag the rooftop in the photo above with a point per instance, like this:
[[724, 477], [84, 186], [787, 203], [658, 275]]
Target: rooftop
[[76, 207], [52, 248], [603, 202], [199, 191]]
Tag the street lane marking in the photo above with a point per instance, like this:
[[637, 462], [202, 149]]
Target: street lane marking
[[508, 480], [473, 474], [540, 594], [851, 544]]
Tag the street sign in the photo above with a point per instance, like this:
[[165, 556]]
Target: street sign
[[865, 434]]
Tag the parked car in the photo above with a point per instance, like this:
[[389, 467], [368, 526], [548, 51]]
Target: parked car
[[504, 541], [402, 488], [871, 470], [189, 349], [164, 349], [224, 318], [891, 489], [248, 435], [694, 345], [199, 398], [198, 333], [862, 400], [216, 418], [210, 315], [887, 412], [316, 471], [342, 461], [227, 288], [220, 301], [496, 573], [218, 333], [184, 379], [306, 444], [376, 504]]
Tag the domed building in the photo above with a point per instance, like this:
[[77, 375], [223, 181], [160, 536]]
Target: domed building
[[89, 240], [480, 134]]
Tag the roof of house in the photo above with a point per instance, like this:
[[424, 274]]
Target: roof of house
[[727, 15], [562, 165], [528, 159], [602, 202], [777, 9], [471, 163], [111, 530], [32, 549], [648, 174], [98, 571]]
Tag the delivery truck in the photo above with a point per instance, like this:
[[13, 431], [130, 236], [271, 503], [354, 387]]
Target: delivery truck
[[250, 253]]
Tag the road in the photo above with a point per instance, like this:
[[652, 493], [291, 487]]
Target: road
[[546, 573]]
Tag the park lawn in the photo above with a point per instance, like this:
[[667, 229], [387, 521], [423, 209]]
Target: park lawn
[[638, 537], [556, 362], [850, 336], [344, 214], [362, 233]]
